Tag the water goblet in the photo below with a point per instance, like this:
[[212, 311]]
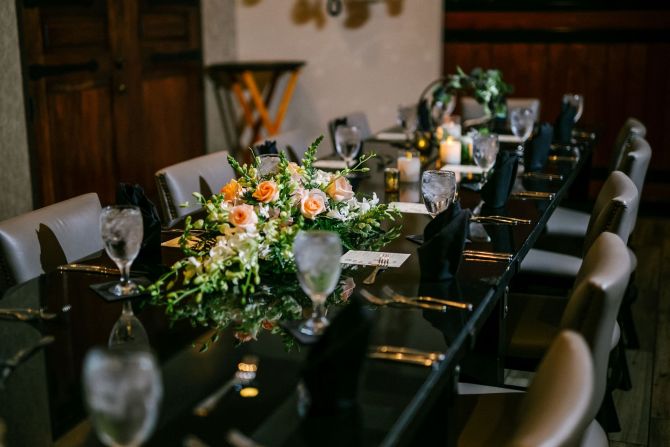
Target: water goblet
[[122, 390], [577, 101], [347, 143], [522, 121], [484, 152], [121, 230], [317, 258], [438, 189], [408, 119]]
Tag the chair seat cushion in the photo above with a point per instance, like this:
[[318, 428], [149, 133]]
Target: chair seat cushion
[[550, 263], [532, 323], [486, 418], [569, 222]]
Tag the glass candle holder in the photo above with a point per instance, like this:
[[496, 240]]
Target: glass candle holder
[[391, 179]]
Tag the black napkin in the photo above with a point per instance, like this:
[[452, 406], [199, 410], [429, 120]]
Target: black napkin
[[268, 147], [333, 365], [537, 149], [565, 122], [451, 322], [499, 185], [424, 123], [444, 240], [127, 194]]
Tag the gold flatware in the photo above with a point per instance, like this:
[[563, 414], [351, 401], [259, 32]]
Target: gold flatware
[[386, 301], [499, 220], [488, 255], [386, 349], [428, 299], [8, 366], [543, 176], [382, 264], [99, 269], [533, 195], [29, 314], [567, 158], [411, 359]]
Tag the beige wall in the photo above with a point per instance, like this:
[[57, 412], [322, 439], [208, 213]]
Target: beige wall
[[384, 62], [15, 186]]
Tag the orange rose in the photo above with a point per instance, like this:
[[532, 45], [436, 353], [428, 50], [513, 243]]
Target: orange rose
[[231, 191], [340, 189], [266, 192], [243, 216], [313, 203]]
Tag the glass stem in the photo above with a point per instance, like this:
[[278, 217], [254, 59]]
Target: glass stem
[[319, 309], [124, 267], [127, 308]]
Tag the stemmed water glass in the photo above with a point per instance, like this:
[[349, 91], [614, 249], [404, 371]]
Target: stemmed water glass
[[121, 230], [484, 152], [577, 101], [348, 142], [408, 119], [522, 121], [438, 189], [317, 258], [123, 390]]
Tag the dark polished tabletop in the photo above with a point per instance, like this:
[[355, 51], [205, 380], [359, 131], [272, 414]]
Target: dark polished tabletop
[[42, 400]]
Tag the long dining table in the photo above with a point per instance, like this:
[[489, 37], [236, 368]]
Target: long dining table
[[398, 404]]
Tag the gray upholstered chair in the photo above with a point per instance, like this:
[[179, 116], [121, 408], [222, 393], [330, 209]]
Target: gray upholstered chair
[[472, 111], [41, 240], [177, 183], [294, 143], [357, 119], [631, 127], [556, 410]]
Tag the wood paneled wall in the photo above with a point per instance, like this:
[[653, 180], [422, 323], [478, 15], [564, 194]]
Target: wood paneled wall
[[618, 60]]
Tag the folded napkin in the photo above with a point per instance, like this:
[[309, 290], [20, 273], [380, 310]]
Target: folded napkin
[[537, 149], [565, 122], [451, 322], [268, 147], [499, 185], [334, 364], [127, 194], [444, 240]]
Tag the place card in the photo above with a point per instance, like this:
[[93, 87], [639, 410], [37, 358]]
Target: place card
[[391, 136], [330, 164], [174, 243], [463, 169], [359, 257], [409, 207]]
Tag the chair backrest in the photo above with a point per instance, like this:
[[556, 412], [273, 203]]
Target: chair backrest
[[41, 240], [177, 183], [471, 109], [615, 209], [357, 119], [635, 161], [593, 304], [555, 409], [631, 126]]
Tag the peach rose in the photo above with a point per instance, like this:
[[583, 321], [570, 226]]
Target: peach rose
[[266, 192], [313, 203], [243, 216], [231, 191], [340, 189]]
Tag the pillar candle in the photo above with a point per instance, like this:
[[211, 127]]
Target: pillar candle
[[409, 167], [450, 151]]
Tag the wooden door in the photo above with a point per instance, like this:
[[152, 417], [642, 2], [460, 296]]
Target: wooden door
[[115, 92]]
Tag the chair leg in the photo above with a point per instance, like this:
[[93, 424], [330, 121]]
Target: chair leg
[[628, 330], [619, 377], [607, 416]]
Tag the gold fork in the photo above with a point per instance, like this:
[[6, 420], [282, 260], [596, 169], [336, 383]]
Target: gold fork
[[382, 263]]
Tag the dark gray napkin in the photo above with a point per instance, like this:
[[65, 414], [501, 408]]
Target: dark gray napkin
[[499, 185], [565, 122], [444, 240], [537, 149], [127, 194], [268, 147], [334, 364]]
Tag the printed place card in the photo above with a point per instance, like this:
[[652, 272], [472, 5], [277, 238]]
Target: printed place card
[[330, 164], [409, 207], [359, 257], [391, 136], [463, 169], [174, 243]]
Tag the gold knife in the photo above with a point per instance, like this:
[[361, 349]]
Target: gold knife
[[99, 269], [385, 349], [403, 358]]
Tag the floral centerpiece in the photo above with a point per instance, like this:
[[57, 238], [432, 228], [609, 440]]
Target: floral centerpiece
[[238, 268]]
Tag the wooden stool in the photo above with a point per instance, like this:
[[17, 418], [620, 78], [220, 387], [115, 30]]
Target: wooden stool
[[241, 78]]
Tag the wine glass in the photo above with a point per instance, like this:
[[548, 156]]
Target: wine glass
[[347, 142], [438, 189], [522, 121], [484, 152], [121, 230], [317, 258], [408, 119], [128, 332], [577, 101], [122, 390]]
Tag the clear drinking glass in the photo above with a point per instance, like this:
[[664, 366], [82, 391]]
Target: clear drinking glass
[[317, 258], [123, 390], [484, 152], [438, 189], [522, 121], [348, 142], [408, 118], [121, 230], [577, 101]]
